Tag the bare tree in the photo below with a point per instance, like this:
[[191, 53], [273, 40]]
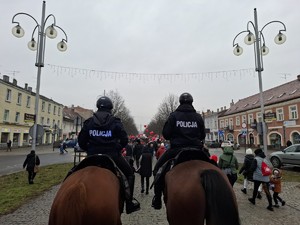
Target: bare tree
[[120, 110], [169, 105]]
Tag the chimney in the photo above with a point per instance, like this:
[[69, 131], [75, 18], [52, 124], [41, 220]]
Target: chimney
[[5, 78], [221, 109], [218, 110], [15, 82], [29, 89], [26, 86], [224, 107], [298, 77], [232, 103]]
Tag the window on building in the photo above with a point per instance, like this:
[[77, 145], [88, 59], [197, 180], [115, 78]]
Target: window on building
[[244, 118], [43, 106], [8, 95], [258, 117], [53, 123], [19, 100], [293, 112], [6, 115], [17, 118], [222, 124], [42, 120], [58, 123], [48, 121], [250, 118], [28, 101], [59, 111], [279, 114], [54, 110], [226, 123], [231, 122], [237, 121], [49, 108]]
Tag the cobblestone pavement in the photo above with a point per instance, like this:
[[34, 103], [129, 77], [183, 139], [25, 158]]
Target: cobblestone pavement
[[36, 211]]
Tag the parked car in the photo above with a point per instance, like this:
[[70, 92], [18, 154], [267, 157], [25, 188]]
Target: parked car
[[212, 144], [288, 156], [230, 144]]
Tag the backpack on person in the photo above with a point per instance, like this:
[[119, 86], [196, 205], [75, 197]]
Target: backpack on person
[[265, 169]]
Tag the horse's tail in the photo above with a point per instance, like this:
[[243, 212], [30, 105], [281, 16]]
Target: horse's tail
[[221, 206]]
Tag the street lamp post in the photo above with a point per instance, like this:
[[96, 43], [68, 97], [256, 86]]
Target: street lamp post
[[260, 49], [40, 47]]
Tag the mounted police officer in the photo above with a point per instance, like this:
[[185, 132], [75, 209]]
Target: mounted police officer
[[185, 129], [104, 134]]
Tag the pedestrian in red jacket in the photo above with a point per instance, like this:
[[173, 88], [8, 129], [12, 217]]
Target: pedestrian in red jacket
[[161, 150]]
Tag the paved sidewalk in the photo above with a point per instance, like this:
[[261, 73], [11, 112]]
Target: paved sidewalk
[[43, 149], [36, 211]]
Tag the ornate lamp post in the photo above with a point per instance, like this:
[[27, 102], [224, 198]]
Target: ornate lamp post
[[40, 47], [260, 49]]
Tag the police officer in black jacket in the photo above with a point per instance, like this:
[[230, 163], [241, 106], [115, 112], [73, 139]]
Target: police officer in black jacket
[[104, 134], [184, 128]]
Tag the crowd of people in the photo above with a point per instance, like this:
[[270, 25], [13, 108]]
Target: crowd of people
[[104, 133]]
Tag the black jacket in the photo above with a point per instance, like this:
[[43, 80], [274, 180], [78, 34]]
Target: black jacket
[[245, 169], [31, 160], [102, 134], [184, 128]]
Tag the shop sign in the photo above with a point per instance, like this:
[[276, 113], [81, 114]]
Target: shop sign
[[29, 117]]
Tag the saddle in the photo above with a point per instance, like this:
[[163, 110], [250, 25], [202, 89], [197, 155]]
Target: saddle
[[186, 154], [104, 161]]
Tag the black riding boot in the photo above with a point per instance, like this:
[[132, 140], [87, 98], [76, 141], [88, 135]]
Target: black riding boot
[[132, 204], [156, 201]]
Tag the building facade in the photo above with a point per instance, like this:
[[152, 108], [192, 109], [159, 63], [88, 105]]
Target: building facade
[[73, 120], [17, 114], [242, 122], [212, 125]]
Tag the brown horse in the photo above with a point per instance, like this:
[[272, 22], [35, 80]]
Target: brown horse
[[197, 191], [87, 197]]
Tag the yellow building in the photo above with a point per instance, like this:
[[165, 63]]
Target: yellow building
[[17, 109]]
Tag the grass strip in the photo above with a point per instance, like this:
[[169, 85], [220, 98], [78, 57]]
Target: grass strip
[[15, 190]]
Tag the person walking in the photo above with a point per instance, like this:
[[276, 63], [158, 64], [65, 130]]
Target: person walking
[[30, 162], [161, 150], [146, 168], [137, 152], [228, 164], [185, 129], [259, 178], [275, 181], [8, 145], [248, 174], [104, 134]]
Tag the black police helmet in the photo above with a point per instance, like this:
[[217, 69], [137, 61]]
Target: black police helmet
[[186, 98], [104, 103]]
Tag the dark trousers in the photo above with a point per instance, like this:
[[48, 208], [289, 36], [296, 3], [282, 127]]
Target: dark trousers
[[266, 187], [232, 178], [276, 198], [143, 182], [31, 176], [123, 165]]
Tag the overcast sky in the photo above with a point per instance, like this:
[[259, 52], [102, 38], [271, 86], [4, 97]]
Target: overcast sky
[[150, 49]]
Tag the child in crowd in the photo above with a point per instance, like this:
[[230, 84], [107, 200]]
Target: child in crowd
[[275, 181]]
